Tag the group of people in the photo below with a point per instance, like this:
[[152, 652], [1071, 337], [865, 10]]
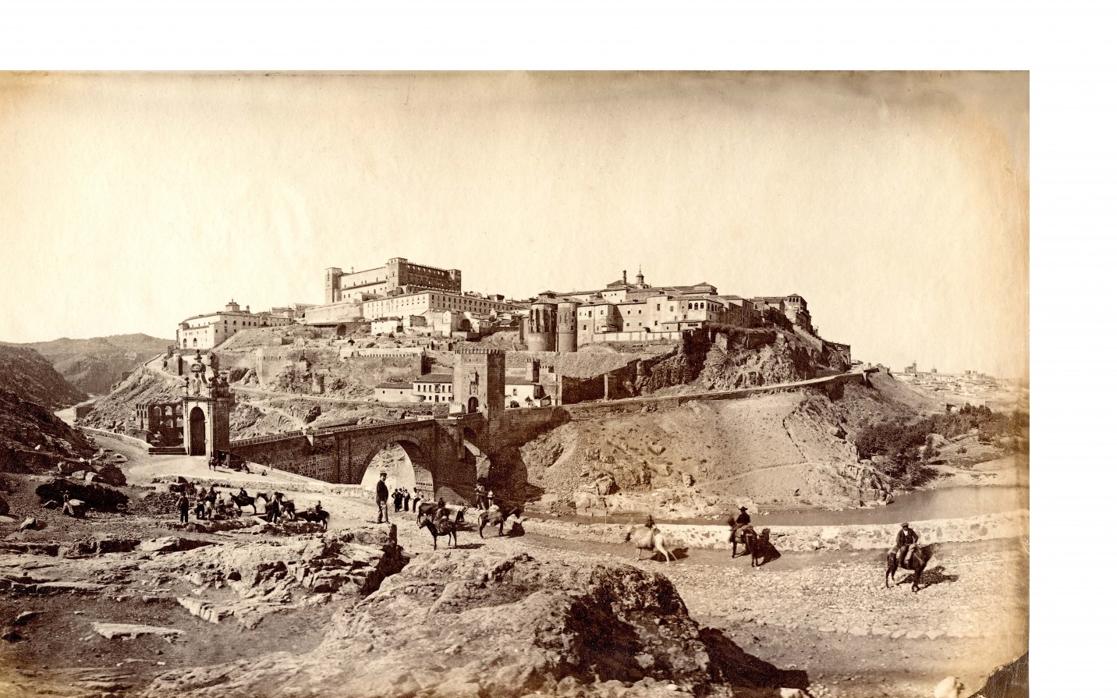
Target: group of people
[[207, 504], [483, 498], [402, 499]]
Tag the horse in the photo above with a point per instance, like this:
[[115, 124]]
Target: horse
[[745, 535], [916, 562], [248, 501], [494, 517], [315, 516], [649, 539], [287, 508], [444, 527]]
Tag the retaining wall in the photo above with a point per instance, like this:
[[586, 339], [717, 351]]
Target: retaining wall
[[804, 538]]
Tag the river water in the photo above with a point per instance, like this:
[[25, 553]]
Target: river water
[[941, 503]]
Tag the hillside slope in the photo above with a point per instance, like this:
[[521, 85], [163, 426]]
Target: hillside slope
[[94, 365], [117, 410], [31, 377], [785, 450], [31, 437]]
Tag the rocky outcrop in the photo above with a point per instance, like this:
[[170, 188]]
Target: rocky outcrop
[[486, 624], [270, 578]]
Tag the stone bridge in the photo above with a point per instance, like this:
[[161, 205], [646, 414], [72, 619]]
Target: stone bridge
[[443, 455], [446, 456]]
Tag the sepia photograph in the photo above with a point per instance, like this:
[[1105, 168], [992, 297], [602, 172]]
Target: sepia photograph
[[515, 383]]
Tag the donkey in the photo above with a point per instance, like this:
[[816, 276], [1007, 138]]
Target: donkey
[[444, 527]]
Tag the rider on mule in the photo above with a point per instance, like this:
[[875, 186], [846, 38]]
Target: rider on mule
[[905, 543]]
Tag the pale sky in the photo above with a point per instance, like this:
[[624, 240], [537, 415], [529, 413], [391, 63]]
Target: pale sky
[[897, 204]]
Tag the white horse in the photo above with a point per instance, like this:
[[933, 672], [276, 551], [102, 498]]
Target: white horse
[[645, 538]]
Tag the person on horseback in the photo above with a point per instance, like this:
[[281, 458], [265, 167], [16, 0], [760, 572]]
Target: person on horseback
[[905, 543], [743, 519]]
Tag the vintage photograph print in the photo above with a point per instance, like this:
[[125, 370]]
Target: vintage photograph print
[[514, 384]]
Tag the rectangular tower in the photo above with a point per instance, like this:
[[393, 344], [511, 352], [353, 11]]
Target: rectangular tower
[[478, 381], [333, 284]]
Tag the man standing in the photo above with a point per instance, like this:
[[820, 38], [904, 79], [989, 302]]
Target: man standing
[[407, 500], [183, 508], [382, 499]]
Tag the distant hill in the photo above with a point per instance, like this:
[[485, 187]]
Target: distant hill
[[94, 365], [31, 377]]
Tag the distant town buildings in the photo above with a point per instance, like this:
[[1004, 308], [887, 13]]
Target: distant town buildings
[[406, 299], [634, 312], [210, 329]]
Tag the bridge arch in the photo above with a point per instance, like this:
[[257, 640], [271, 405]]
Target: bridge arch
[[406, 463]]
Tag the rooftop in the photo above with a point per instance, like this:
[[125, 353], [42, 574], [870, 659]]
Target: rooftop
[[435, 378]]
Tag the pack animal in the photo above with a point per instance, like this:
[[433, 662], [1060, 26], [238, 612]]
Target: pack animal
[[649, 539], [442, 527], [916, 562]]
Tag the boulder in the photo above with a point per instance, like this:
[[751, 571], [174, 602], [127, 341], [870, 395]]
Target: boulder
[[29, 524], [98, 497], [112, 475]]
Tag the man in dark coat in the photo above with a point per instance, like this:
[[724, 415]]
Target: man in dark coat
[[382, 499], [407, 500], [183, 508], [743, 518], [905, 543]]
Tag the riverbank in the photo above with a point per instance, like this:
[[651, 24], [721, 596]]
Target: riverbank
[[1002, 525]]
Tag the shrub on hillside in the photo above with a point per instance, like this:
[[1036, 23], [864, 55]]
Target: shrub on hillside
[[906, 442]]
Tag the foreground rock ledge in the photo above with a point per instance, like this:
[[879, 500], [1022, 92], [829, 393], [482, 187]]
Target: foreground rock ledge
[[472, 623]]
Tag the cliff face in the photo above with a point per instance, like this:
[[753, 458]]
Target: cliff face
[[94, 365], [26, 373]]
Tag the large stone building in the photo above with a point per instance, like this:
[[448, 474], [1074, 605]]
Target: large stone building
[[422, 302], [624, 311], [397, 276], [208, 330]]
